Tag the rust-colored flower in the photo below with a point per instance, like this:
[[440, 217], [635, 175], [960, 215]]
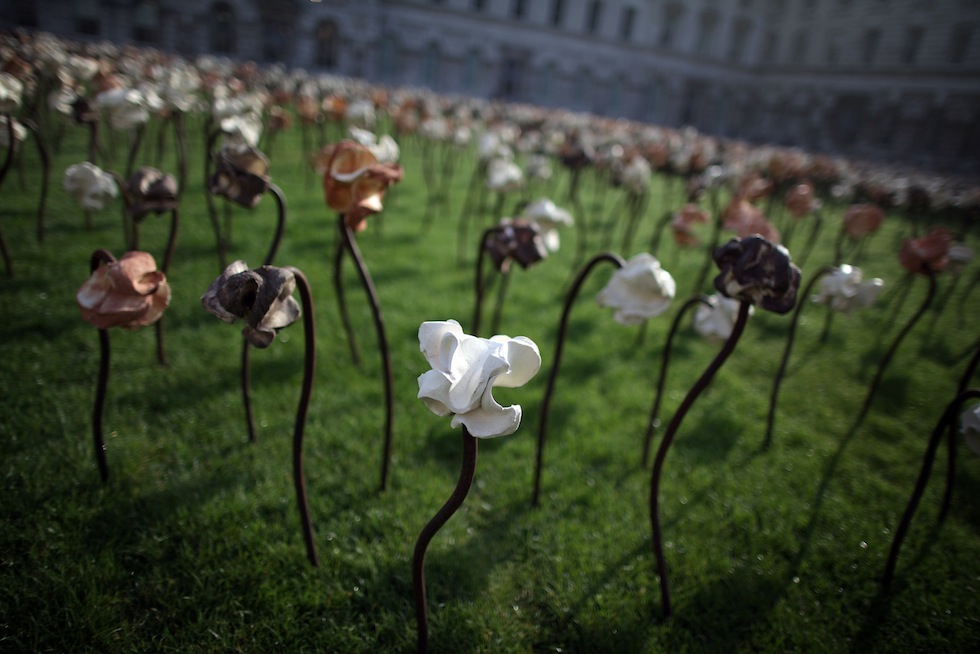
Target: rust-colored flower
[[754, 187], [929, 253], [263, 298], [757, 271], [515, 239], [745, 219], [860, 220], [150, 190], [128, 293], [354, 181], [800, 200], [241, 174], [683, 224]]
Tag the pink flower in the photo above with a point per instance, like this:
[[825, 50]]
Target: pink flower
[[128, 293]]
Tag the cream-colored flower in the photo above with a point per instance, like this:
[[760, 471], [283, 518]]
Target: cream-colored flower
[[716, 320], [843, 290], [970, 428], [465, 369], [11, 93], [548, 217], [92, 187], [639, 290]]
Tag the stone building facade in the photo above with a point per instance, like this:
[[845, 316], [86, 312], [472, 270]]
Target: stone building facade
[[888, 79]]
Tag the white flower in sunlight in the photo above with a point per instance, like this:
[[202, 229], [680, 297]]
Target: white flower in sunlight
[[243, 129], [126, 108], [465, 369], [843, 290], [360, 113], [505, 176], [384, 148], [639, 290], [538, 167], [970, 428], [716, 320], [636, 175], [92, 187], [548, 217], [11, 93]]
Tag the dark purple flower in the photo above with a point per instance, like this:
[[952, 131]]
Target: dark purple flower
[[518, 240], [241, 174], [149, 190], [757, 271]]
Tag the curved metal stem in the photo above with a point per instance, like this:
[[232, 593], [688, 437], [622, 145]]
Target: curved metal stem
[[4, 249], [790, 337], [209, 197], [379, 327], [675, 422], [338, 284], [309, 369], [45, 177], [951, 440], [894, 347], [98, 258], [654, 421], [466, 474], [949, 416], [618, 262], [280, 223], [480, 286]]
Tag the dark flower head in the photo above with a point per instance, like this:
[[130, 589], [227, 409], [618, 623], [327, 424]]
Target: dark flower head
[[149, 190], [262, 297], [83, 111], [757, 271], [929, 253], [241, 174], [515, 239]]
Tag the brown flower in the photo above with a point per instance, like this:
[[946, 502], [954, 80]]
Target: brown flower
[[929, 253], [860, 220], [800, 200], [241, 174], [745, 219], [128, 293], [683, 224], [354, 181], [757, 271], [515, 239], [149, 190], [262, 297]]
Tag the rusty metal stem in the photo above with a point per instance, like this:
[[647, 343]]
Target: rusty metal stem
[[98, 258]]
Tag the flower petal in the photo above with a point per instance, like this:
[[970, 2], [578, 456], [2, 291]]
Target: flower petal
[[475, 363], [524, 358], [490, 419], [434, 392], [430, 340]]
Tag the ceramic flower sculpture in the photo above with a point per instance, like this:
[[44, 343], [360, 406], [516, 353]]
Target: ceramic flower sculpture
[[464, 371], [639, 290], [128, 293], [90, 186], [753, 271]]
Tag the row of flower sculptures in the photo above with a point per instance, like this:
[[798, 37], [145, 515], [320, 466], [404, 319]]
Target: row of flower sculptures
[[131, 293]]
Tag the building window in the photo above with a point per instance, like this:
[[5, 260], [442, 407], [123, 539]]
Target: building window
[[771, 46], [706, 32], [594, 17], [518, 9], [326, 44], [557, 9], [479, 5], [672, 19], [740, 39], [626, 23], [960, 43], [913, 42], [869, 45], [800, 44], [222, 28], [146, 21], [87, 18]]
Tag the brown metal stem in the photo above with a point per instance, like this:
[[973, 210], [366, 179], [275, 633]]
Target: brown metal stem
[[98, 258], [675, 422], [616, 261], [466, 474]]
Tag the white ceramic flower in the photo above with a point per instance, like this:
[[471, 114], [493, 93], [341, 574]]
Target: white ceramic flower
[[716, 320], [92, 187], [970, 428], [11, 93], [384, 148], [504, 176], [844, 290], [548, 217], [126, 108], [465, 369], [639, 290], [636, 175]]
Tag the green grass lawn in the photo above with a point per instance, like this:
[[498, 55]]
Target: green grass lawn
[[195, 544]]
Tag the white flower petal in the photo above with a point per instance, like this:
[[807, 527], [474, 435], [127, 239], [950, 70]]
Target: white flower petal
[[430, 340], [524, 358], [434, 392], [475, 363], [490, 419]]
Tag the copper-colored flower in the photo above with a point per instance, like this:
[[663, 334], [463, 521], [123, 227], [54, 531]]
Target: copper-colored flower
[[262, 297], [128, 293], [860, 220], [683, 224], [241, 174], [279, 119], [929, 253], [800, 200], [757, 271], [754, 187], [515, 239], [354, 181], [745, 219], [150, 190]]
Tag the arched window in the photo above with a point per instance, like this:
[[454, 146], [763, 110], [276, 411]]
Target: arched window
[[222, 28], [146, 21], [326, 44]]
